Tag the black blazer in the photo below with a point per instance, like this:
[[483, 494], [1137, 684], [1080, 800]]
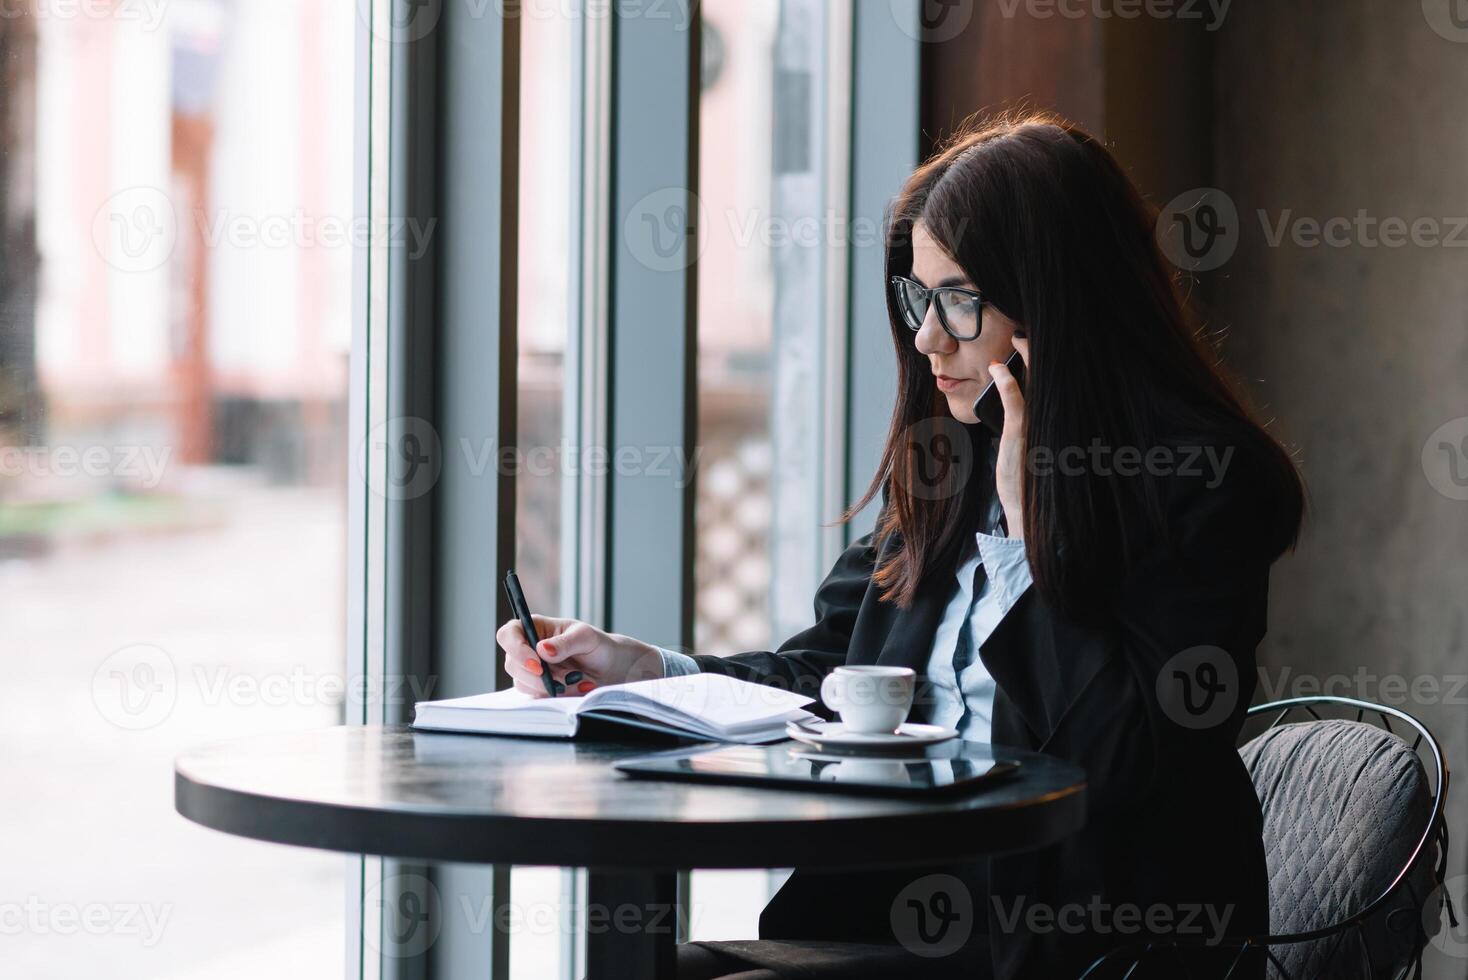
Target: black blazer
[[1173, 821]]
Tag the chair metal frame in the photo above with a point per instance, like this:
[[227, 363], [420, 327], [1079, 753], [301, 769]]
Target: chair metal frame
[[1435, 831]]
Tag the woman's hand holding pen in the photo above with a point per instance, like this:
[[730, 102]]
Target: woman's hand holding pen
[[579, 656], [1009, 466]]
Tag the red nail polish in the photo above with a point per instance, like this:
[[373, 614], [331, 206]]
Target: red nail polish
[[548, 648], [534, 667], [585, 687]]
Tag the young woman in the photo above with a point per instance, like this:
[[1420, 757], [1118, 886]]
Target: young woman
[[1095, 589]]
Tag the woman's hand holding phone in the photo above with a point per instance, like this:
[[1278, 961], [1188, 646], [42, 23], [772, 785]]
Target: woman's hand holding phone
[[579, 656], [1010, 463]]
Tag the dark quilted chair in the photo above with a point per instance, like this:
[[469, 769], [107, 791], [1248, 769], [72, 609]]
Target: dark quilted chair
[[1345, 804], [1356, 846]]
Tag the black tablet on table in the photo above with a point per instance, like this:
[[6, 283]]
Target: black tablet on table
[[950, 768]]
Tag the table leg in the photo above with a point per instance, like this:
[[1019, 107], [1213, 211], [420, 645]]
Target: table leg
[[631, 925]]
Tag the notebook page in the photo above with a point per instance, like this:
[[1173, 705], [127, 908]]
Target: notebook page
[[709, 703], [508, 699]]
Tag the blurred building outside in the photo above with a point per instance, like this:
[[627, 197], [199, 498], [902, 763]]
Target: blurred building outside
[[175, 321]]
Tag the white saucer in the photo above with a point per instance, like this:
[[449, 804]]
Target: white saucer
[[833, 736]]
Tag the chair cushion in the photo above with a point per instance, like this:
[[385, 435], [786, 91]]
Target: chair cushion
[[1344, 804]]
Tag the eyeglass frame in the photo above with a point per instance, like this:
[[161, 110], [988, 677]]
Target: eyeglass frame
[[895, 283]]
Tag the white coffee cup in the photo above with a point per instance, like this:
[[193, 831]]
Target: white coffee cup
[[870, 699]]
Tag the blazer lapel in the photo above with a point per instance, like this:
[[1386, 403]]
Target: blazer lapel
[[1042, 663], [909, 643], [1013, 703]]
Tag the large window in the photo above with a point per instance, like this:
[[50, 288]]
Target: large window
[[255, 258], [175, 297], [770, 383]]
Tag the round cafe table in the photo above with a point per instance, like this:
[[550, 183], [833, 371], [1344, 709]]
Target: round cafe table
[[427, 796]]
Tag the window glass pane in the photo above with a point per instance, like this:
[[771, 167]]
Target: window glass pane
[[549, 35], [735, 302], [769, 235], [546, 284], [175, 297]]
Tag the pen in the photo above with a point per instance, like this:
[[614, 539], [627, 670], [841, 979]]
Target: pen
[[521, 610]]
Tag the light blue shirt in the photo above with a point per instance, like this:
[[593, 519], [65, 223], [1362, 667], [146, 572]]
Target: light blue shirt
[[965, 699], [962, 699]]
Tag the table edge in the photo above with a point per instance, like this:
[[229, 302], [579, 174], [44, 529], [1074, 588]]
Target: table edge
[[918, 838]]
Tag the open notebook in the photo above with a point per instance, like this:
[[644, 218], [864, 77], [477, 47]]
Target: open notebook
[[704, 706]]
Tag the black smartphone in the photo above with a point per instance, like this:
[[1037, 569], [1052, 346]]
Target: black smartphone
[[990, 408]]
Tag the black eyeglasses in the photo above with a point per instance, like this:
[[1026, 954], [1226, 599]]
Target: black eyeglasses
[[960, 310]]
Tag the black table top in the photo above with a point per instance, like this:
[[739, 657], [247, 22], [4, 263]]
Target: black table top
[[394, 792]]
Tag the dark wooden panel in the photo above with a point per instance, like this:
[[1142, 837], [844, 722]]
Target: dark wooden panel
[[998, 61]]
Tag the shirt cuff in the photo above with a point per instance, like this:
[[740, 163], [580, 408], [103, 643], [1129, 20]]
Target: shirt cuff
[[677, 664], [1007, 566]]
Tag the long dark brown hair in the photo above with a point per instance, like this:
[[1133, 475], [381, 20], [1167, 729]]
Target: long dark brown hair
[[1053, 233]]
